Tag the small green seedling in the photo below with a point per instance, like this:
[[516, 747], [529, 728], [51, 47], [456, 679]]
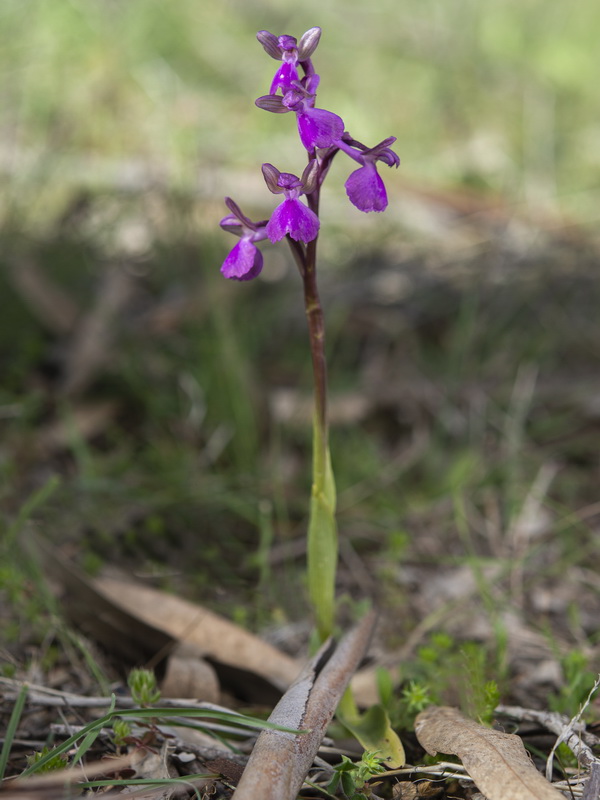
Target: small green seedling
[[121, 732], [143, 687], [52, 764], [353, 776]]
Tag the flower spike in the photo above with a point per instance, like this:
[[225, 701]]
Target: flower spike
[[323, 135]]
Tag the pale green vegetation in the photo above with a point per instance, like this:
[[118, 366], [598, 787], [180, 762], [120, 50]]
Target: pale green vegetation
[[499, 95]]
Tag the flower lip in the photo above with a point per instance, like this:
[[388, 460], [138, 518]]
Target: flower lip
[[293, 218], [366, 190], [286, 76], [318, 127], [244, 262]]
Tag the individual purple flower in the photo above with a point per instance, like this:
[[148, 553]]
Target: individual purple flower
[[287, 50], [245, 261], [291, 216], [364, 186], [316, 126]]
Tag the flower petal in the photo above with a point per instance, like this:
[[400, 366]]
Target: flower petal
[[366, 190], [295, 218], [244, 262], [319, 128]]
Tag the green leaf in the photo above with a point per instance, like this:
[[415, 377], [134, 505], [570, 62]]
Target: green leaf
[[329, 489], [322, 562], [374, 732]]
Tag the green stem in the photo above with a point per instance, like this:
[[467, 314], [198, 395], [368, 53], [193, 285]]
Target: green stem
[[316, 331], [322, 533]]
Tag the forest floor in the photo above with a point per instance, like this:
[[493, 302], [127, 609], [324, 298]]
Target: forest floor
[[156, 431]]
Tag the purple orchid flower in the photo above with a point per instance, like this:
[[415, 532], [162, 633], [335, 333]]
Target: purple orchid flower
[[287, 50], [291, 216], [364, 186], [316, 126], [245, 261]]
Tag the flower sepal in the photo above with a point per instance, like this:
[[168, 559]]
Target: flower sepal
[[270, 44], [308, 43], [272, 103]]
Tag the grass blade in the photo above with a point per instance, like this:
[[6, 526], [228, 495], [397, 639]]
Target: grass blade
[[89, 732], [11, 729]]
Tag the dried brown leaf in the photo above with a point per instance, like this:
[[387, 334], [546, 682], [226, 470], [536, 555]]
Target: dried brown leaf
[[189, 676], [219, 639], [151, 765], [141, 624], [498, 762]]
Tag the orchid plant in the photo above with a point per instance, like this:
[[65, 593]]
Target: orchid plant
[[323, 135]]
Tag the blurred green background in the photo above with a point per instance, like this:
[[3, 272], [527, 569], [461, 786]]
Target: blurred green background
[[500, 95]]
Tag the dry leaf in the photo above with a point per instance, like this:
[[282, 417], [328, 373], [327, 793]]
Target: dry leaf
[[423, 790], [280, 761], [233, 649], [188, 675], [150, 765], [498, 762], [139, 623]]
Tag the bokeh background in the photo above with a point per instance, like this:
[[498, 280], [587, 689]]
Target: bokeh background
[[501, 96], [463, 325]]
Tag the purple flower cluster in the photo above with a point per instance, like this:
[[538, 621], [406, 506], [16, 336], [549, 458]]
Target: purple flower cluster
[[323, 135]]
